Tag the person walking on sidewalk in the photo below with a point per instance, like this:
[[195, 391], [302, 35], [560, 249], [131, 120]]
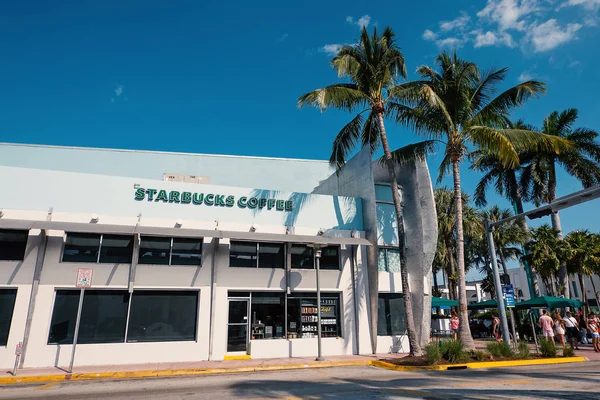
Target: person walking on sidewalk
[[454, 324], [581, 320], [572, 329], [559, 329], [496, 330], [546, 324], [592, 324]]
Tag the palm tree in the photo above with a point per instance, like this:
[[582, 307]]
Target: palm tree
[[508, 237], [455, 105], [583, 258], [546, 252], [538, 179], [372, 68]]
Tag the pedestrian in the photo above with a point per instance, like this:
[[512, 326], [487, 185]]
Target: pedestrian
[[496, 330], [454, 324], [592, 324], [546, 324], [583, 329], [572, 329], [559, 328]]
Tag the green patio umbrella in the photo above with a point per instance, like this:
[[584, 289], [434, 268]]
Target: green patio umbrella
[[441, 302], [548, 302], [483, 305]]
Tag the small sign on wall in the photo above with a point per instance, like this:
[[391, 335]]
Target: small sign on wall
[[84, 278]]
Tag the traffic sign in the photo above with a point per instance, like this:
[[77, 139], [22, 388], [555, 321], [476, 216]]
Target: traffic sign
[[508, 292], [84, 278]]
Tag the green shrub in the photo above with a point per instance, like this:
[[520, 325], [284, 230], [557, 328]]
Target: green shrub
[[547, 347], [479, 355], [434, 355], [501, 349], [568, 351], [454, 351], [523, 348]]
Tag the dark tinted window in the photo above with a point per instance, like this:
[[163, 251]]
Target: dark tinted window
[[12, 245], [271, 255], [154, 250], [186, 252], [116, 249], [81, 247], [243, 254], [7, 305], [162, 316], [390, 314], [330, 258], [302, 257], [103, 317]]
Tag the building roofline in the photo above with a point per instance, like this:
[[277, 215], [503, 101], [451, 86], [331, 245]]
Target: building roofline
[[158, 152]]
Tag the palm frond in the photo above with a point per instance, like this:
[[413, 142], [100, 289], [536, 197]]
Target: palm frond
[[345, 141], [412, 152], [345, 96]]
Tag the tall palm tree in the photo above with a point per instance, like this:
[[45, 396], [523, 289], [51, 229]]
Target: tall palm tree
[[455, 105], [546, 252], [581, 161], [372, 69], [584, 257]]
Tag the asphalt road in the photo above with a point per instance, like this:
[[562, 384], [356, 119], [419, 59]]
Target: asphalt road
[[567, 381]]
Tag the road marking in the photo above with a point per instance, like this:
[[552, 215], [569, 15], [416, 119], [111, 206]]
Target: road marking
[[321, 371], [47, 386]]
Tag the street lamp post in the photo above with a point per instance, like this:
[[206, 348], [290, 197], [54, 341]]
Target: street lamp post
[[497, 283], [317, 254]]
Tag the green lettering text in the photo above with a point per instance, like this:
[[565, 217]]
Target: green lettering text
[[242, 202], [209, 200], [162, 196], [140, 194], [229, 201], [174, 197], [151, 193], [186, 198], [197, 199]]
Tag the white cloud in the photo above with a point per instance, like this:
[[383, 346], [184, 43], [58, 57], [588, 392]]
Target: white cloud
[[451, 42], [331, 49], [361, 22], [429, 35], [550, 35], [525, 76], [588, 4], [282, 38], [119, 90], [493, 39], [457, 23], [574, 64], [508, 14]]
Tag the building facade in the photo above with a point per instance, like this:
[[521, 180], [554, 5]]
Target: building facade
[[201, 257]]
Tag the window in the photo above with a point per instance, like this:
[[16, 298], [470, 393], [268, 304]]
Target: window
[[302, 257], [256, 255], [170, 251], [7, 306], [390, 314], [302, 315], [388, 260], [95, 248], [163, 316], [13, 244], [268, 315], [103, 317]]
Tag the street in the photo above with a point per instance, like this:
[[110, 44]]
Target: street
[[574, 381]]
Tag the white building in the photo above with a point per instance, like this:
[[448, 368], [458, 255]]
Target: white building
[[193, 259]]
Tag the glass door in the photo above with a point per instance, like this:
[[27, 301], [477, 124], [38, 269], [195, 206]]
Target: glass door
[[237, 326]]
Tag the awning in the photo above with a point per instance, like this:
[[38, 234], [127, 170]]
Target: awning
[[442, 302], [81, 227], [489, 304], [548, 302]]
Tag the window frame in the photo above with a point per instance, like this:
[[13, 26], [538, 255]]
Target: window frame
[[12, 313], [386, 249], [171, 241], [62, 255], [387, 297], [22, 231], [257, 246], [339, 258]]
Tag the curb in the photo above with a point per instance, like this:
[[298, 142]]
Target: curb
[[15, 380], [479, 365]]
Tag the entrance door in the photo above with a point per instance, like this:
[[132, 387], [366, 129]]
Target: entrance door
[[237, 326]]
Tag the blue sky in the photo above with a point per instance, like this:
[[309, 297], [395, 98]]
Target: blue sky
[[223, 77]]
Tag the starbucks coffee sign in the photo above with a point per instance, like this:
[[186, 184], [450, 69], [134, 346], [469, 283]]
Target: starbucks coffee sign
[[211, 199]]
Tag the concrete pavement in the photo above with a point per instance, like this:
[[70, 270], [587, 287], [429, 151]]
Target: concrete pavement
[[575, 381]]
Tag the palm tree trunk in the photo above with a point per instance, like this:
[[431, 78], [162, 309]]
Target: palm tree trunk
[[463, 316], [555, 218], [595, 291], [502, 261], [436, 290], [583, 293], [452, 276], [414, 343]]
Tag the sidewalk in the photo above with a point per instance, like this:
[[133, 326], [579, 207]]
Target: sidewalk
[[585, 350], [31, 375]]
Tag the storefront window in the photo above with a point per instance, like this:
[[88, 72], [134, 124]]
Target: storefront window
[[13, 244], [170, 251], [103, 317], [163, 316], [388, 260], [7, 306], [303, 257], [267, 315], [94, 248], [302, 315], [256, 255], [390, 314]]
